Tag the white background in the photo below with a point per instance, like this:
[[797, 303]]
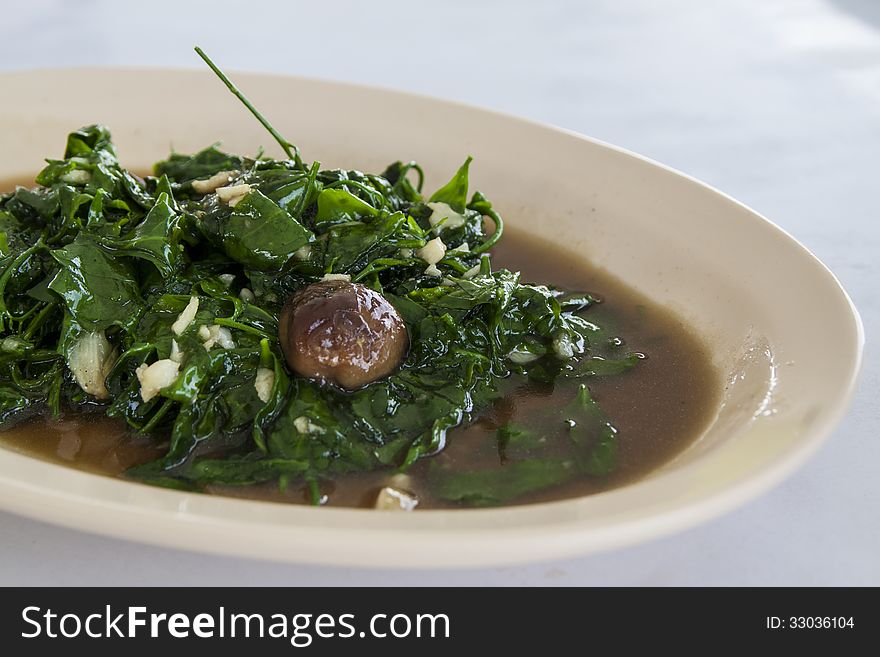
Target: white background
[[775, 102]]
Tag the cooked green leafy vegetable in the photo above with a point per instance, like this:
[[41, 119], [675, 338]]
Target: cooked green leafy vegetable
[[156, 300]]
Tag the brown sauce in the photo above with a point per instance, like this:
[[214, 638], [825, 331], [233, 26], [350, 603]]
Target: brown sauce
[[659, 407]]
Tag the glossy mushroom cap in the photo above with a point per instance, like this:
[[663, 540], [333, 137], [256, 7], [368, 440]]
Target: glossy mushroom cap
[[343, 333]]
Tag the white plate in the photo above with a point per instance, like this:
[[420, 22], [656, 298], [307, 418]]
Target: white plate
[[782, 330]]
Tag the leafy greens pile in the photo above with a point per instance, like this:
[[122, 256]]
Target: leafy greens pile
[[97, 267]]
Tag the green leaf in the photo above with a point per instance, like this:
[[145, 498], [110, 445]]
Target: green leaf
[[43, 201], [454, 193], [204, 164], [15, 405], [260, 234], [156, 238], [351, 247], [277, 402], [500, 485], [593, 436], [244, 471], [412, 312], [97, 290], [517, 441], [88, 140], [336, 204]]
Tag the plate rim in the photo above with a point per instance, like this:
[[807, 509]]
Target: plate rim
[[570, 538]]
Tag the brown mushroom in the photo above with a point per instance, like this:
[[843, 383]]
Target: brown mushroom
[[343, 333]]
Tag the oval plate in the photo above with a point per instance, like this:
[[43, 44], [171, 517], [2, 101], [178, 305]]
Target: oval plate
[[747, 287]]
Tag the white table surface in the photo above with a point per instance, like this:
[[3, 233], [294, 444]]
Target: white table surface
[[775, 102]]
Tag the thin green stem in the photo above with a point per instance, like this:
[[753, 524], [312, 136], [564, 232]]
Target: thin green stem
[[157, 416], [291, 150], [30, 311], [7, 274], [310, 182], [494, 237], [222, 321], [415, 167], [35, 323]]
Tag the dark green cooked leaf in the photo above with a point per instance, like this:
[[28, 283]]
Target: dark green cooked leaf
[[98, 290]]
